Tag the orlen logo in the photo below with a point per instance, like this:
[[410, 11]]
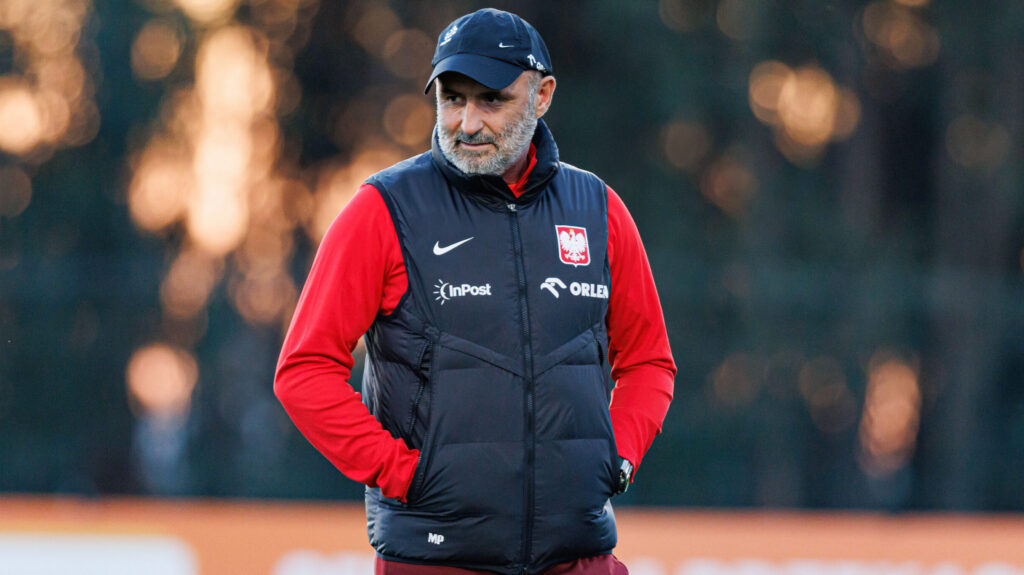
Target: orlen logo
[[579, 289], [446, 292], [572, 245]]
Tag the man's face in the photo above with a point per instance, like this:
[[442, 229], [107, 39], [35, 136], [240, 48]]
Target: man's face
[[482, 130]]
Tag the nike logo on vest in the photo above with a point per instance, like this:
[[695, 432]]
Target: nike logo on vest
[[439, 251]]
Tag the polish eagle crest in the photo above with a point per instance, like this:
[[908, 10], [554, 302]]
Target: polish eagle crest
[[572, 245]]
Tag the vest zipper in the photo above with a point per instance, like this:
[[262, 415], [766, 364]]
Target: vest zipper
[[531, 440]]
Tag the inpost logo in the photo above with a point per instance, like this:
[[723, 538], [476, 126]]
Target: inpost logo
[[446, 292]]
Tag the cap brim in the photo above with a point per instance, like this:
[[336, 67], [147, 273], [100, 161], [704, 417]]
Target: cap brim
[[495, 74]]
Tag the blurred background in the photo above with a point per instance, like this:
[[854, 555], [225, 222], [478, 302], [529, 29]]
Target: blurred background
[[830, 193]]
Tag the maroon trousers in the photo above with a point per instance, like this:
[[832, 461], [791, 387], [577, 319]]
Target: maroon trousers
[[597, 565]]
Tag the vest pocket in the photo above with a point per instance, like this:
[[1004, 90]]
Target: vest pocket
[[602, 355], [417, 429], [419, 410]]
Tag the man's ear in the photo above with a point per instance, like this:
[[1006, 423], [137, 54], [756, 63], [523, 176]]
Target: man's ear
[[545, 93]]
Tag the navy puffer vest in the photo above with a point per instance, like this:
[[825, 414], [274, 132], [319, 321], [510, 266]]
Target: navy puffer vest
[[493, 366]]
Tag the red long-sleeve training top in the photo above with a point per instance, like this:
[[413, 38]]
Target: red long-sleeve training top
[[358, 272]]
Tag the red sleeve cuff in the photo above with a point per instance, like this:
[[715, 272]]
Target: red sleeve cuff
[[639, 404]]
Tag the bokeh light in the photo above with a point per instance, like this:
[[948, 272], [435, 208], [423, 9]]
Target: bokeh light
[[186, 288], [155, 50], [21, 122], [737, 381], [404, 53], [337, 184], [262, 299], [977, 144], [685, 15], [729, 182], [827, 395], [208, 11], [892, 411], [737, 18], [408, 119], [160, 380], [15, 191], [685, 144], [903, 38], [373, 26], [160, 186], [214, 167], [46, 96], [805, 107]]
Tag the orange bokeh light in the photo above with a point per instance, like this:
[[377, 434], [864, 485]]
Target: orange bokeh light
[[977, 144], [729, 183], [805, 107], [903, 37], [823, 386], [263, 299], [187, 286], [683, 15], [403, 53], [49, 102], [21, 122], [232, 75], [686, 144], [15, 191], [160, 380], [155, 50], [159, 187], [374, 26], [208, 11], [892, 410], [337, 184], [408, 119], [214, 164]]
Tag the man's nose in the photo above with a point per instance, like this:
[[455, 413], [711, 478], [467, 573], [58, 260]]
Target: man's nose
[[472, 120]]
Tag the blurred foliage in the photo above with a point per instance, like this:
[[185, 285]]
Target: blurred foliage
[[829, 193]]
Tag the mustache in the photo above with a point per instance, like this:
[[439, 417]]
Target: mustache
[[477, 138]]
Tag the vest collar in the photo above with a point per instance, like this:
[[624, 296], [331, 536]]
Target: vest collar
[[493, 189]]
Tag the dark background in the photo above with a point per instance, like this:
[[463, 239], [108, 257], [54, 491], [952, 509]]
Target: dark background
[[836, 235]]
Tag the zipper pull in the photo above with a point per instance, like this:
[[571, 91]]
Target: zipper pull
[[511, 207]]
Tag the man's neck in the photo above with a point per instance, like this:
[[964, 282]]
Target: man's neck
[[514, 173]]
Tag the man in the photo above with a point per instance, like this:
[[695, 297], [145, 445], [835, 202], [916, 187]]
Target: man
[[492, 282]]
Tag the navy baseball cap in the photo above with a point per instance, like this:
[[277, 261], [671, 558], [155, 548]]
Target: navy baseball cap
[[490, 46]]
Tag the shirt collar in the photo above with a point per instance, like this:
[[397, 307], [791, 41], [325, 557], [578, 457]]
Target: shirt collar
[[517, 188]]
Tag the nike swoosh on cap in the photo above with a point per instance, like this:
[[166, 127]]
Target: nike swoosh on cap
[[439, 251], [503, 45]]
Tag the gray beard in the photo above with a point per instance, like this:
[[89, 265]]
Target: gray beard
[[510, 144]]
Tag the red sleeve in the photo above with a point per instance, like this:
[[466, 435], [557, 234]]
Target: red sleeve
[[638, 349], [358, 272]]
